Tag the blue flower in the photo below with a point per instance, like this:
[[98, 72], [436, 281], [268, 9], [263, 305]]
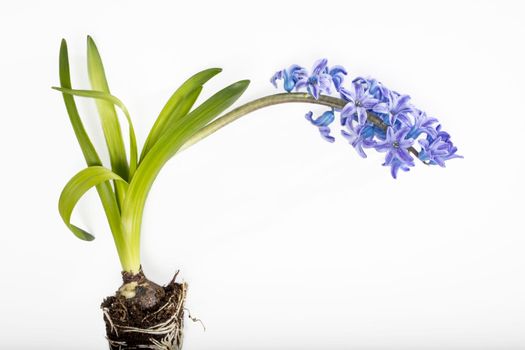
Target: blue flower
[[319, 81], [338, 75], [359, 136], [376, 89], [437, 150], [291, 76], [322, 123], [400, 108], [395, 165], [373, 117], [359, 101], [422, 124], [396, 146]]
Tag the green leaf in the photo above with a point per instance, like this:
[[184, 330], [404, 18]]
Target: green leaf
[[76, 188], [115, 101], [108, 115], [104, 189], [167, 145], [90, 154], [178, 106]]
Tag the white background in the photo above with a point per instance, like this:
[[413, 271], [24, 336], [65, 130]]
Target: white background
[[287, 242]]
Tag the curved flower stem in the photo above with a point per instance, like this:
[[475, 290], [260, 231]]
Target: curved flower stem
[[333, 102]]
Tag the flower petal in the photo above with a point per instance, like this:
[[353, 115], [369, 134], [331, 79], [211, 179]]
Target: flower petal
[[404, 156], [319, 66], [324, 119], [337, 70], [347, 95], [277, 76], [289, 81], [301, 83], [325, 133], [389, 156], [361, 115], [313, 89], [381, 108], [359, 148], [348, 111]]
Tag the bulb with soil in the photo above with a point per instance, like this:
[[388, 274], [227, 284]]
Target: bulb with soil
[[144, 315]]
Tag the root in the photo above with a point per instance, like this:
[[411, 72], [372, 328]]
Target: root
[[107, 317], [195, 319], [165, 335]]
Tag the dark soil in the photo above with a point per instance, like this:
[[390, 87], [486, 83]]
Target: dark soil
[[153, 317]]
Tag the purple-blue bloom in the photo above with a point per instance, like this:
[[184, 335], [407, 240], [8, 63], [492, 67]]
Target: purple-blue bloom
[[395, 165], [373, 117], [378, 90], [291, 76], [359, 101], [359, 136], [437, 150], [400, 108], [422, 124], [338, 75], [396, 146], [319, 81], [322, 123]]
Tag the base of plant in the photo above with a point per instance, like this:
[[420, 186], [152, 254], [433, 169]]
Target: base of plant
[[144, 315]]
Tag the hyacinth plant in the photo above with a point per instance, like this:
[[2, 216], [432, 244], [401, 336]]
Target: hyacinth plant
[[142, 314]]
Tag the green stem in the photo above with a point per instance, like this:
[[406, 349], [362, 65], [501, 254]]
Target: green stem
[[333, 102], [258, 104]]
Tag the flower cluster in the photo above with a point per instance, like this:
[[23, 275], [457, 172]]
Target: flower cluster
[[373, 117]]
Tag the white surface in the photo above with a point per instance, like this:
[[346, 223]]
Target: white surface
[[287, 242]]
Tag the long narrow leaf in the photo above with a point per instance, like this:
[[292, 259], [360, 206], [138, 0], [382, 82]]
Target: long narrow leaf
[[114, 100], [172, 139], [76, 188], [107, 112], [85, 143], [188, 91], [105, 191]]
